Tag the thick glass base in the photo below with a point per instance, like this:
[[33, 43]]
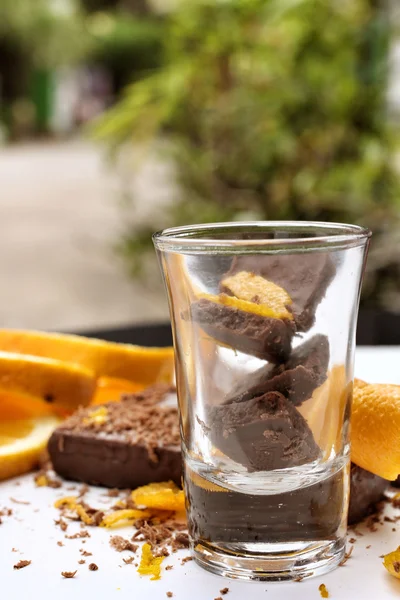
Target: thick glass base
[[270, 562]]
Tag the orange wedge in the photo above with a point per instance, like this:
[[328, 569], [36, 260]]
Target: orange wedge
[[141, 365], [375, 430], [21, 443], [25, 379], [110, 389]]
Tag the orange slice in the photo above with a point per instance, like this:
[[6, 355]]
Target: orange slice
[[375, 432], [110, 389], [21, 443], [135, 363], [43, 380]]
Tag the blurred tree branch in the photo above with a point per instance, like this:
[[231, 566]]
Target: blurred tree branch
[[274, 109]]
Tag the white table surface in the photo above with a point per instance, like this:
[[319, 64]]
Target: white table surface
[[31, 531]]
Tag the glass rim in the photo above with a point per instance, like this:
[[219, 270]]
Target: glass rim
[[195, 238]]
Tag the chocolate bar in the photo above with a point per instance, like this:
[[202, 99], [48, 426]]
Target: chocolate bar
[[120, 444]]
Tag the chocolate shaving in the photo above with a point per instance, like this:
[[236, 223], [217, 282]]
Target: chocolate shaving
[[186, 559], [81, 562], [68, 574], [169, 567], [84, 552], [120, 544], [139, 419], [169, 594], [16, 501], [93, 567], [59, 543], [224, 591], [129, 561], [81, 534], [346, 557], [22, 564]]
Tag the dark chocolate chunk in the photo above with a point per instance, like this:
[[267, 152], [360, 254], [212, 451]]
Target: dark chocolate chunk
[[263, 433], [264, 337], [137, 443], [366, 490], [396, 482], [305, 277], [307, 513], [296, 379]]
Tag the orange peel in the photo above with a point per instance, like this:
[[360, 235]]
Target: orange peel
[[160, 496], [150, 564], [376, 424]]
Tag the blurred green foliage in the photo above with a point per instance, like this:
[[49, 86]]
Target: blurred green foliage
[[274, 109], [50, 33], [128, 46]]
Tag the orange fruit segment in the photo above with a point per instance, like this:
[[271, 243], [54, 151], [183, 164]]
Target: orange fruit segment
[[110, 389], [30, 379], [105, 359], [375, 432], [15, 406], [22, 442]]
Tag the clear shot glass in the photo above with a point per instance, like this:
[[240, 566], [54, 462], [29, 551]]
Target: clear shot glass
[[264, 319]]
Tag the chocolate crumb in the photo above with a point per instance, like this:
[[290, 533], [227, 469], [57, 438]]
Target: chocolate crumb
[[169, 594], [81, 562], [219, 598], [14, 550], [114, 493], [120, 544], [93, 567], [352, 540], [129, 561], [389, 520], [186, 559], [169, 567], [59, 543], [224, 591], [22, 564], [368, 547], [62, 524], [394, 529], [84, 552], [68, 574], [81, 534]]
